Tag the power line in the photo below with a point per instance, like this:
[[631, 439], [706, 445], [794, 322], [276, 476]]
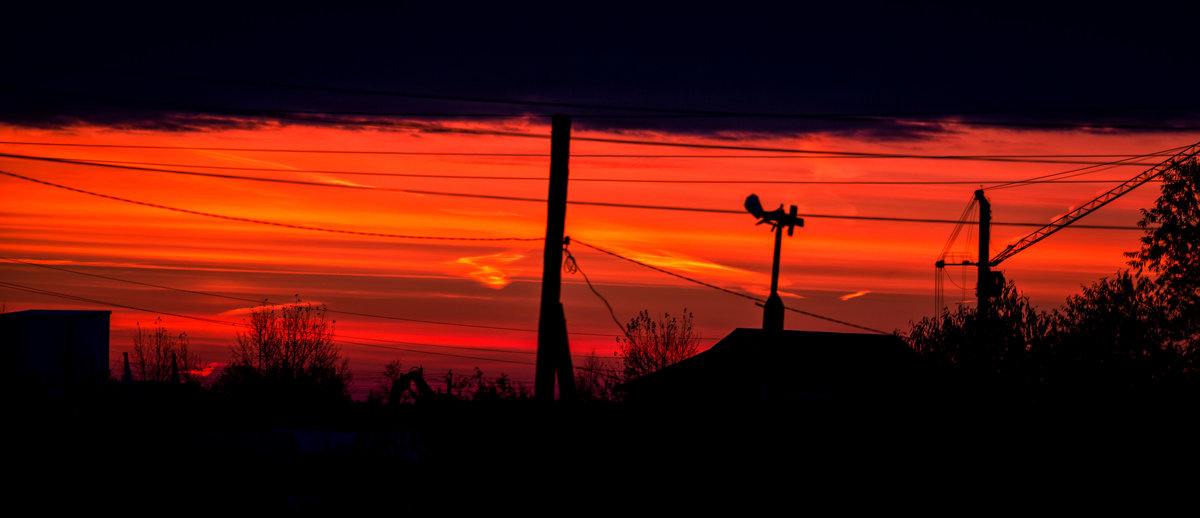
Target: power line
[[572, 266], [791, 153], [639, 111], [731, 292], [208, 175], [582, 243], [343, 90], [768, 149], [77, 99], [409, 191], [897, 119], [260, 301], [521, 199], [272, 150], [77, 298], [1085, 170], [270, 223], [582, 179], [397, 348], [330, 171]]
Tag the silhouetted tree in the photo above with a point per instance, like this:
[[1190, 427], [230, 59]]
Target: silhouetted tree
[[650, 345], [1123, 335], [381, 393], [478, 387], [161, 356], [1009, 341], [1113, 338], [288, 352], [483, 389], [402, 386], [596, 381], [1171, 251], [456, 385]]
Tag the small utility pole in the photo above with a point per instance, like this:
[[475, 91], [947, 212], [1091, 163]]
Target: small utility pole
[[773, 309], [554, 352], [127, 373]]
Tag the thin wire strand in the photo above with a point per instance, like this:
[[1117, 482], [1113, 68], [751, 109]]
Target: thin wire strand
[[261, 300], [638, 111], [570, 265], [269, 223], [521, 199], [731, 292], [585, 179], [962, 219], [1088, 169], [339, 337], [790, 152]]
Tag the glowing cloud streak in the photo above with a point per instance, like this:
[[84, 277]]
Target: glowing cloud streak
[[487, 269], [849, 296]]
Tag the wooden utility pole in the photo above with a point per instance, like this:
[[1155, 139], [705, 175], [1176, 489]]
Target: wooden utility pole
[[983, 285], [554, 352]]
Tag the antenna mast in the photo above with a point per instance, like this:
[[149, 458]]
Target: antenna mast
[[773, 309]]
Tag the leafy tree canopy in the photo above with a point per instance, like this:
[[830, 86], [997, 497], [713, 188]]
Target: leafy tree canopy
[[1171, 248]]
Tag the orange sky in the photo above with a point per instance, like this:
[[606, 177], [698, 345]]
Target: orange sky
[[877, 274]]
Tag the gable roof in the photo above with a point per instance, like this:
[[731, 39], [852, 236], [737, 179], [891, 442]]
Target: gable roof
[[752, 364]]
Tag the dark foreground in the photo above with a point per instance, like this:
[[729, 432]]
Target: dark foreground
[[194, 453]]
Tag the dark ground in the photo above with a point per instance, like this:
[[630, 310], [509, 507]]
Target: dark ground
[[192, 452]]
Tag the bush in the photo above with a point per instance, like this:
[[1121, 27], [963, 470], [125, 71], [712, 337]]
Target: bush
[[160, 356], [650, 345]]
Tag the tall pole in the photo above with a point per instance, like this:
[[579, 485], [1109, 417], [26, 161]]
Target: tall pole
[[983, 289], [773, 310], [553, 352]]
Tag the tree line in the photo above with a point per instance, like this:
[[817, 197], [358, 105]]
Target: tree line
[[1131, 335], [288, 353]]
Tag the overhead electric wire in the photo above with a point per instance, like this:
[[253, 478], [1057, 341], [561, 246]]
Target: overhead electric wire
[[572, 266], [471, 131], [344, 90], [899, 119], [209, 175], [791, 153], [77, 99], [136, 308], [768, 149], [638, 111], [77, 298], [260, 301], [578, 179], [446, 346], [269, 223], [510, 198], [337, 336], [731, 292], [962, 219], [453, 355], [1087, 170]]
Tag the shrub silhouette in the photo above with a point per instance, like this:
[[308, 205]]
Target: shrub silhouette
[[288, 353], [650, 345]]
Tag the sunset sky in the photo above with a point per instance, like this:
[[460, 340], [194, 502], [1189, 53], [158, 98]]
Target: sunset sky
[[170, 102]]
